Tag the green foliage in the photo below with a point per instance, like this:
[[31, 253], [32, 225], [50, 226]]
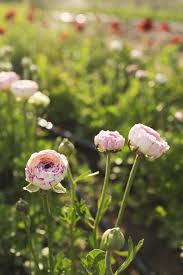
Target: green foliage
[[95, 262]]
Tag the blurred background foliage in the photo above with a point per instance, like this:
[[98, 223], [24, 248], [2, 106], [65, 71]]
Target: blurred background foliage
[[85, 69]]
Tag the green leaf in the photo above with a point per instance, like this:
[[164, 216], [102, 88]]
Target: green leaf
[[139, 245], [94, 263], [31, 188], [84, 213], [86, 175], [132, 251], [59, 189]]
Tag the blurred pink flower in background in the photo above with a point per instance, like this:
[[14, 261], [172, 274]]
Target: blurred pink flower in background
[[164, 27], [24, 88], [6, 79], [176, 39]]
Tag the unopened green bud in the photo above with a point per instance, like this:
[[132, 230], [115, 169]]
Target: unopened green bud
[[22, 206], [26, 62], [66, 147], [33, 68], [113, 239]]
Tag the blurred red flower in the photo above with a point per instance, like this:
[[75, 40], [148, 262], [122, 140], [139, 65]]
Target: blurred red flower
[[176, 39], [80, 27], [164, 27], [30, 16], [10, 14], [2, 30], [115, 27], [145, 25]]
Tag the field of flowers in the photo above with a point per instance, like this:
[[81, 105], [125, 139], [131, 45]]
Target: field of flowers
[[65, 77]]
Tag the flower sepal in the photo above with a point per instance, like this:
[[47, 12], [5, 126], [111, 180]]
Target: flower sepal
[[31, 188], [59, 189]]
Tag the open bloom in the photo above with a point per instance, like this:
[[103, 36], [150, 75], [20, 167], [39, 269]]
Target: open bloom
[[46, 169], [39, 99], [6, 79], [147, 141], [107, 141], [24, 88]]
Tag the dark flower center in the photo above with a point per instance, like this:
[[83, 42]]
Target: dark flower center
[[47, 165]]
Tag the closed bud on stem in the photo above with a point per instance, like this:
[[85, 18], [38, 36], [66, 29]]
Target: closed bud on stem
[[22, 206], [33, 68], [66, 147], [113, 239], [26, 62]]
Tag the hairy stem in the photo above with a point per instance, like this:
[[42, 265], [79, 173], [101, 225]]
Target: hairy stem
[[127, 191], [73, 218], [108, 263], [49, 231], [102, 198]]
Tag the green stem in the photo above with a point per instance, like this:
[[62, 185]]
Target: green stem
[[25, 125], [108, 268], [127, 190], [73, 218], [30, 240], [49, 231], [12, 120], [102, 198]]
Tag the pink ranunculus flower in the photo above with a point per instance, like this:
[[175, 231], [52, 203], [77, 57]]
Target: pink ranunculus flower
[[107, 141], [24, 88], [46, 169], [6, 79], [147, 141]]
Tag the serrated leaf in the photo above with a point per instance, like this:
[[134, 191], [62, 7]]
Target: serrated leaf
[[95, 262], [59, 189], [84, 213], [132, 251], [86, 175], [31, 188]]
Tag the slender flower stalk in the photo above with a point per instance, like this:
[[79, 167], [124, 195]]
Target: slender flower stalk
[[30, 240], [127, 190], [73, 218], [102, 198], [108, 263], [49, 230], [25, 123]]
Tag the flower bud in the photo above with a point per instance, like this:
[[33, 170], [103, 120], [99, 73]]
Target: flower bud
[[109, 141], [113, 239], [147, 141], [33, 68], [66, 147], [26, 62], [22, 206]]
